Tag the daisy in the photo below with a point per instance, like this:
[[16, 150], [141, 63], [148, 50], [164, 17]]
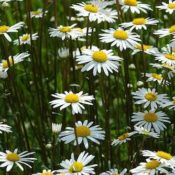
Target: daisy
[[98, 60], [143, 131], [26, 39], [9, 159], [154, 77], [165, 32], [11, 60], [149, 97], [84, 131], [123, 138], [56, 128], [5, 3], [151, 120], [79, 166], [4, 30], [148, 49], [96, 10], [168, 7], [3, 74], [63, 52], [75, 100], [64, 32], [47, 172], [115, 172], [171, 104], [151, 167], [139, 23], [134, 6], [121, 38], [161, 156], [4, 128], [38, 13]]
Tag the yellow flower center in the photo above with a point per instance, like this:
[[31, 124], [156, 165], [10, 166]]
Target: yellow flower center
[[25, 37], [150, 96], [120, 34], [167, 66], [7, 63], [172, 29], [143, 47], [164, 155], [37, 12], [152, 164], [71, 98], [46, 173], [115, 174], [131, 2], [91, 8], [76, 167], [4, 29], [139, 21], [13, 157], [171, 6], [65, 29], [150, 117], [83, 131], [170, 56], [123, 136], [157, 76], [100, 56]]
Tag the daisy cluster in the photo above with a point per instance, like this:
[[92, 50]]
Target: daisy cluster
[[103, 43]]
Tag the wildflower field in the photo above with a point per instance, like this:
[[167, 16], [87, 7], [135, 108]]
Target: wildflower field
[[87, 87]]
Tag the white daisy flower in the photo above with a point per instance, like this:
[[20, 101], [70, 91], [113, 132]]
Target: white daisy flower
[[4, 128], [139, 23], [161, 156], [148, 49], [165, 32], [98, 60], [9, 159], [11, 60], [84, 131], [79, 166], [123, 138], [151, 120], [38, 13], [168, 7], [146, 132], [134, 6], [171, 104], [121, 38], [47, 172], [114, 172], [155, 78], [151, 167], [64, 32], [4, 30], [26, 39], [56, 128], [96, 10], [149, 97], [63, 52], [3, 74], [75, 100]]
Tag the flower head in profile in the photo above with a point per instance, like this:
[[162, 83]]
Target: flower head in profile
[[134, 6], [4, 128], [78, 166], [5, 30], [56, 128], [154, 77], [163, 157], [150, 98], [39, 13], [84, 131], [151, 120], [75, 100], [99, 60], [114, 172], [119, 37], [123, 138], [96, 10], [139, 23], [167, 7], [9, 159], [47, 172], [11, 60], [151, 167]]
